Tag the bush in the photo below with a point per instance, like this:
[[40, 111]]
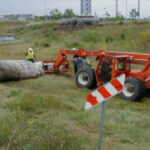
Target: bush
[[109, 39], [121, 22], [47, 35], [45, 45], [119, 17], [122, 36]]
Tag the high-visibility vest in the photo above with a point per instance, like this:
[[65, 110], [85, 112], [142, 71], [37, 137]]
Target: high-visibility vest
[[30, 55]]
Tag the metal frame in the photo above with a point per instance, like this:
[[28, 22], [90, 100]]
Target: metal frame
[[85, 8], [62, 64]]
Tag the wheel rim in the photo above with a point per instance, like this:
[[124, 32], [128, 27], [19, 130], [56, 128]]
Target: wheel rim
[[129, 89], [83, 78]]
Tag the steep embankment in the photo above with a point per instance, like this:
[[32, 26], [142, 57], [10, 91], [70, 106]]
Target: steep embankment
[[48, 112]]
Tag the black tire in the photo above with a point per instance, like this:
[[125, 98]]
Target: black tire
[[134, 89], [85, 78]]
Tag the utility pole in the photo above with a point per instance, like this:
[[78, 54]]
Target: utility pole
[[45, 9], [116, 8], [139, 8], [126, 9]]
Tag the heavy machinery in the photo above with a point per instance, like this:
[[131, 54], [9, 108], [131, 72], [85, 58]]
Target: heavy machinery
[[110, 65]]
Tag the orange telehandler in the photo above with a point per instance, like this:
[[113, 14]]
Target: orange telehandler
[[110, 65]]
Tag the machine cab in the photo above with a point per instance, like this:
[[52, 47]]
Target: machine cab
[[121, 64], [110, 66]]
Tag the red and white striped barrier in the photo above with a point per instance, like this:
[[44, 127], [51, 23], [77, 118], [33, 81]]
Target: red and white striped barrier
[[105, 92]]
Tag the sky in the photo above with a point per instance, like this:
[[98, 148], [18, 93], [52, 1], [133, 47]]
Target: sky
[[99, 7]]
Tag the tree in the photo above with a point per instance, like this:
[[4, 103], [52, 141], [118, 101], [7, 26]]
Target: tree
[[68, 13], [107, 15], [134, 14], [39, 18], [119, 17], [55, 14]]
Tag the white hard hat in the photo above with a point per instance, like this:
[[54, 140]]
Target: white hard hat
[[30, 49], [74, 49]]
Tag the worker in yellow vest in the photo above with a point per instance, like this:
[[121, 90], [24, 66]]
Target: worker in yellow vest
[[30, 55]]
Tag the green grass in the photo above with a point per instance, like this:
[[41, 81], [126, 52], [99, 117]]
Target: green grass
[[48, 113]]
